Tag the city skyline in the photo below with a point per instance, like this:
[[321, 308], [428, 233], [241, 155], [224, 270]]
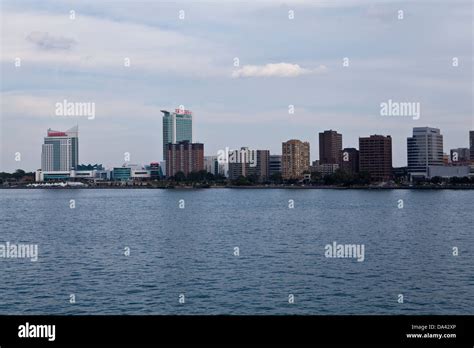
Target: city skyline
[[54, 136], [288, 171], [227, 63]]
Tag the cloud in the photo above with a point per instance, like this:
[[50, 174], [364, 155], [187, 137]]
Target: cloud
[[151, 50], [275, 70], [48, 42]]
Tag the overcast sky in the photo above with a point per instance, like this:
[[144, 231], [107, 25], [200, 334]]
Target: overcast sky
[[190, 62]]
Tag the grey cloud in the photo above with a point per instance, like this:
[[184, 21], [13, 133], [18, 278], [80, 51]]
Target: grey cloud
[[46, 41]]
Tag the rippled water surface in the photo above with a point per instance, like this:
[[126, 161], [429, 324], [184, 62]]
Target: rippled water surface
[[190, 251]]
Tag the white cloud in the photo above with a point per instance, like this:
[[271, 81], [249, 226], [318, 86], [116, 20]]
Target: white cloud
[[276, 70]]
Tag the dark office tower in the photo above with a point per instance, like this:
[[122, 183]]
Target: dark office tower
[[471, 145], [184, 157], [274, 164], [263, 165], [375, 156], [350, 160], [330, 146]]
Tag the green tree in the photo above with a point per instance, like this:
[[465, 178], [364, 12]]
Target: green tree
[[19, 173], [242, 181], [276, 178], [180, 177]]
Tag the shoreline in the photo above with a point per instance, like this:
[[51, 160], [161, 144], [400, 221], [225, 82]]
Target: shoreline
[[254, 187]]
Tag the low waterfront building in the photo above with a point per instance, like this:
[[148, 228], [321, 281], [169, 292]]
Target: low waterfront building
[[324, 169], [83, 174], [90, 167], [140, 174], [93, 174], [155, 170], [52, 175], [123, 173], [130, 172], [448, 171]]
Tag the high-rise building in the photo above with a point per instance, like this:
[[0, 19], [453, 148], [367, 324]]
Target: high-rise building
[[60, 151], [424, 149], [375, 156], [212, 165], [249, 163], [240, 162], [184, 157], [460, 156], [177, 126], [163, 167], [350, 160], [330, 146], [471, 145], [294, 159], [274, 164], [262, 170]]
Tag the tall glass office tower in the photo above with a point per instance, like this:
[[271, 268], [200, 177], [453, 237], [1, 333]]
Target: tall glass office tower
[[60, 151], [177, 126], [424, 149]]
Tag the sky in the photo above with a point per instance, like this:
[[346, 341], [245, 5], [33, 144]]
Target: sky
[[238, 66]]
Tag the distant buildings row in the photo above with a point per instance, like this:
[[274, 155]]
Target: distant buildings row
[[374, 157], [425, 157]]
